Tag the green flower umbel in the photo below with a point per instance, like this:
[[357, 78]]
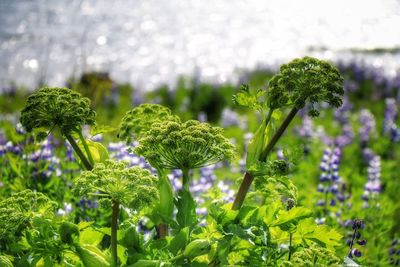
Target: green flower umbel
[[138, 121], [133, 188], [185, 146], [306, 80], [188, 145], [63, 109], [17, 211], [114, 182]]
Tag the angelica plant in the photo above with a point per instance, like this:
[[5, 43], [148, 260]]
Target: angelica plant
[[48, 109], [135, 124], [117, 185], [138, 121], [18, 211], [301, 82], [185, 146]]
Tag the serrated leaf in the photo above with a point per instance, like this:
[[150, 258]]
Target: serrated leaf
[[322, 234], [292, 216], [245, 98]]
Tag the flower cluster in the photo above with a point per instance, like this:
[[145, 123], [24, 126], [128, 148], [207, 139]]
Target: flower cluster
[[373, 186], [188, 145], [355, 238], [137, 122], [367, 122], [330, 183], [17, 211], [306, 80], [57, 107], [132, 187], [389, 123]]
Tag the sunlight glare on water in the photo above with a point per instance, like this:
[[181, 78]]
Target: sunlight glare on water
[[149, 42]]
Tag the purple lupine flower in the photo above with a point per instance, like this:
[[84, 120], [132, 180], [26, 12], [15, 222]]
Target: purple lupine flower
[[346, 137], [355, 237], [306, 129], [367, 122], [329, 177], [67, 209], [20, 129], [372, 187], [342, 114], [231, 118], [390, 115]]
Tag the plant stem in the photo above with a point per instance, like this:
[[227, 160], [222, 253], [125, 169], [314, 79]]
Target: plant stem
[[278, 134], [162, 230], [114, 228], [290, 246], [85, 146], [185, 178], [352, 240], [79, 152], [244, 188], [248, 178]]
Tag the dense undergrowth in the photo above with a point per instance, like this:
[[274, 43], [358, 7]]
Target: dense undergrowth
[[289, 181]]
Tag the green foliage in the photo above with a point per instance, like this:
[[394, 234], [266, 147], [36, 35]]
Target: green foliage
[[61, 108], [254, 100], [91, 256], [187, 145], [306, 80], [137, 122], [134, 187], [18, 211], [314, 257], [186, 206]]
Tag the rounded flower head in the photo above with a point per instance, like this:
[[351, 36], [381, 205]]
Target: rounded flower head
[[133, 187], [188, 145], [17, 211], [57, 107], [138, 121], [306, 80]]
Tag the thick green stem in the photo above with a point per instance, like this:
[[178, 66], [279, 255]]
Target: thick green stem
[[114, 228], [166, 205], [85, 146], [185, 178], [79, 152], [248, 178]]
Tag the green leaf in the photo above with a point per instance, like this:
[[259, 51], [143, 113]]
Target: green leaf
[[6, 261], [97, 150], [179, 241], [129, 238], [91, 256], [186, 206], [249, 99], [122, 255], [99, 129], [321, 234], [292, 216], [82, 225], [90, 236]]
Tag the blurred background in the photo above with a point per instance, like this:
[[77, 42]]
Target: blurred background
[[152, 42]]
